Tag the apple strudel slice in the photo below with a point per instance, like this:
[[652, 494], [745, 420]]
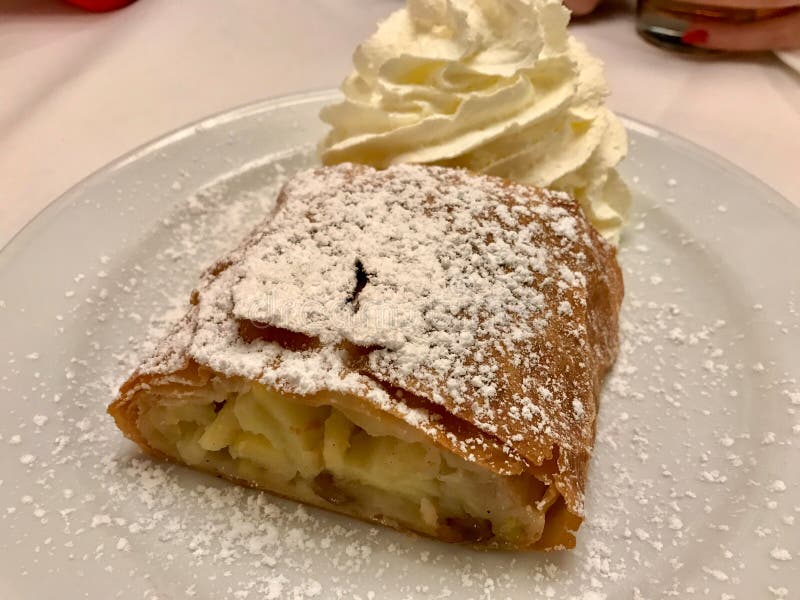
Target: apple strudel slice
[[420, 347]]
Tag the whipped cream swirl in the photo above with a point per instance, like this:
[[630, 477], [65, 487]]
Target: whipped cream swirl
[[496, 86]]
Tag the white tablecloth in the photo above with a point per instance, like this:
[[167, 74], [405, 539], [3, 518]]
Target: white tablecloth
[[78, 89]]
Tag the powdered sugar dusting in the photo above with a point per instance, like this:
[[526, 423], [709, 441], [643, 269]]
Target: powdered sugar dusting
[[473, 296]]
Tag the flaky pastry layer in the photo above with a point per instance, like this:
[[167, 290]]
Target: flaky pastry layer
[[420, 347]]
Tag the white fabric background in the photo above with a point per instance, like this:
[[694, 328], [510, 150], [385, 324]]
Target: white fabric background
[[79, 89]]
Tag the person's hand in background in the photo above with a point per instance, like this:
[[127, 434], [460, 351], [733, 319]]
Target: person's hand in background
[[778, 32], [581, 7]]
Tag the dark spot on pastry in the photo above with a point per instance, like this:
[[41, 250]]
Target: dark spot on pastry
[[325, 487], [470, 529], [295, 341], [219, 267], [362, 278]]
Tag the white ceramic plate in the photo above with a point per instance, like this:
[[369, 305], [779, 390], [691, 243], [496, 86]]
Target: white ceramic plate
[[694, 488], [791, 58]]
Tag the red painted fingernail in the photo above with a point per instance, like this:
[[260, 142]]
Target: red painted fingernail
[[695, 36]]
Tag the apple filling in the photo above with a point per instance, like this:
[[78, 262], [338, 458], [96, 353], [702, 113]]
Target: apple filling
[[349, 462]]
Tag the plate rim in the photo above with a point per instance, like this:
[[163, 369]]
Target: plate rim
[[27, 233]]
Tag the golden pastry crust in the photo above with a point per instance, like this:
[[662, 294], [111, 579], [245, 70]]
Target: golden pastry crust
[[504, 320]]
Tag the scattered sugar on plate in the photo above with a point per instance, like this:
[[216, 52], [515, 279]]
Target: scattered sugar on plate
[[648, 506], [781, 554]]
